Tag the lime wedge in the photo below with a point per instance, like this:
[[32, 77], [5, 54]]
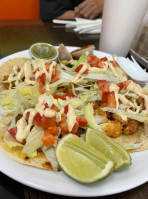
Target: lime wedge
[[81, 161], [109, 148]]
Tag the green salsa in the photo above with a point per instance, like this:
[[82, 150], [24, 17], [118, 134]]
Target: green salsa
[[43, 51]]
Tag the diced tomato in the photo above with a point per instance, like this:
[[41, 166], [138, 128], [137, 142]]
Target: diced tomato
[[126, 83], [143, 102], [34, 72], [89, 58], [13, 131], [101, 83], [70, 95], [95, 105], [41, 88], [75, 128], [114, 63], [103, 86], [58, 97], [66, 109], [111, 101], [94, 61], [54, 107], [109, 98], [43, 121], [47, 66], [100, 64], [64, 128], [78, 134], [48, 139], [120, 85], [47, 122], [103, 59], [104, 97], [63, 97], [27, 116], [82, 121], [63, 119], [41, 78], [79, 68], [55, 76], [37, 119], [46, 106], [54, 130]]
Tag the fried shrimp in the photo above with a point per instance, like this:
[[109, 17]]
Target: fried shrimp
[[131, 127], [112, 128]]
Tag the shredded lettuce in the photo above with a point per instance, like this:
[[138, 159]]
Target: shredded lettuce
[[33, 154], [83, 58], [60, 82], [88, 112], [90, 96], [100, 119], [20, 97], [121, 73], [11, 141], [76, 102], [33, 140], [51, 156], [139, 117], [66, 76], [99, 76]]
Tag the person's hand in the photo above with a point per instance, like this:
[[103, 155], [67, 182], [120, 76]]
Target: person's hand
[[89, 9], [67, 15]]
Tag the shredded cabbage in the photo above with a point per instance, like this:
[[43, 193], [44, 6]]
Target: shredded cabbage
[[83, 58], [88, 112], [33, 140], [11, 141], [99, 76], [20, 97], [51, 156], [139, 117]]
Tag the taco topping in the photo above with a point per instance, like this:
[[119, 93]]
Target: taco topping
[[48, 100]]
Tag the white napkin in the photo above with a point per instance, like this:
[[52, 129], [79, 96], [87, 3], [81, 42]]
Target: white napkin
[[82, 26], [88, 26]]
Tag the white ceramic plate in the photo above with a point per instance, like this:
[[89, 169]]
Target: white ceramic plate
[[59, 183]]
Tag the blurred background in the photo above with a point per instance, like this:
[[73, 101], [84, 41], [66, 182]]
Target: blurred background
[[19, 9]]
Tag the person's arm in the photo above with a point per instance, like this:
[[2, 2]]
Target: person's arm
[[67, 15], [90, 9], [61, 9]]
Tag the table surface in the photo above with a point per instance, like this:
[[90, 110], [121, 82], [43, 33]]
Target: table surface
[[16, 36]]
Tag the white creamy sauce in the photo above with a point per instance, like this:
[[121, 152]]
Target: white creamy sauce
[[12, 74], [138, 108], [120, 97], [116, 98], [85, 66], [114, 87], [71, 117], [22, 128], [135, 88], [145, 101], [125, 101], [26, 72], [113, 69], [97, 70]]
